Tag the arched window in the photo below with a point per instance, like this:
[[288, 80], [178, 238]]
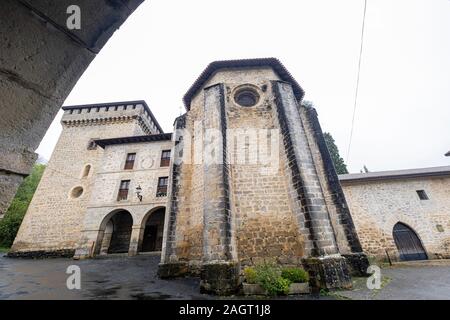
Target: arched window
[[86, 171]]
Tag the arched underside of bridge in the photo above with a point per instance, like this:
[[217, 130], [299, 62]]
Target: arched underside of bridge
[[40, 62]]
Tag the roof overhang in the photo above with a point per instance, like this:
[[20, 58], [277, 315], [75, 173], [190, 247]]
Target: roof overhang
[[136, 139], [396, 174], [213, 67]]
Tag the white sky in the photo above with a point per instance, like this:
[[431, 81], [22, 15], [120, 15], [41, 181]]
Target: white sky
[[403, 114]]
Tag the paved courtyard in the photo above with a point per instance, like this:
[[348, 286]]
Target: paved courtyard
[[123, 277]]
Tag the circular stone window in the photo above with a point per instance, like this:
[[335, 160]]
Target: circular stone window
[[76, 192], [246, 97]]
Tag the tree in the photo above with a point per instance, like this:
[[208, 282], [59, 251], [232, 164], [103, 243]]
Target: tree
[[10, 224], [339, 164]]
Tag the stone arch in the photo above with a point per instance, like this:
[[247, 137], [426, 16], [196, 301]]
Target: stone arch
[[33, 90], [388, 223], [152, 226], [408, 242], [115, 233]]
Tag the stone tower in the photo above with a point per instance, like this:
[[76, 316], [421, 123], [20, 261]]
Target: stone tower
[[252, 180], [53, 223]]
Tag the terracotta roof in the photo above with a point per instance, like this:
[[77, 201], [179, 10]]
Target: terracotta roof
[[396, 174], [274, 63], [119, 103], [134, 139]]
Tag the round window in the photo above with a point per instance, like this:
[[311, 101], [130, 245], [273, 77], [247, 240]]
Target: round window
[[246, 97], [76, 192]]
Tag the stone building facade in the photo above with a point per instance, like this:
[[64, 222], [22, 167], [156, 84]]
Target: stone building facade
[[245, 177], [71, 186], [416, 200]]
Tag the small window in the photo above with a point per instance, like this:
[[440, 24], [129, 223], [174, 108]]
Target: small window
[[123, 190], [92, 145], [161, 190], [129, 162], [86, 170], [422, 195], [165, 158], [76, 192]]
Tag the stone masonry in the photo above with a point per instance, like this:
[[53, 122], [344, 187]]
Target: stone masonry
[[54, 220], [379, 200], [244, 178], [249, 211]]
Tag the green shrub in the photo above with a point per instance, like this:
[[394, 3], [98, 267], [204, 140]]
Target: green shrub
[[250, 275], [268, 276], [295, 275], [281, 286], [10, 224]]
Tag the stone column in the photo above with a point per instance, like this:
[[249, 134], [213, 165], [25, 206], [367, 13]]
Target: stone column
[[219, 272], [136, 234], [326, 266], [170, 266], [356, 259], [90, 244]]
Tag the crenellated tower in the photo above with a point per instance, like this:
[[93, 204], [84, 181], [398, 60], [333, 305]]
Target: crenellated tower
[[54, 219]]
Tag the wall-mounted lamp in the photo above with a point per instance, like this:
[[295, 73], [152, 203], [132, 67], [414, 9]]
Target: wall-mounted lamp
[[138, 192]]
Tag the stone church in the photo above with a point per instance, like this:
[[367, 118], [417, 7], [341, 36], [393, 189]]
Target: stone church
[[244, 177]]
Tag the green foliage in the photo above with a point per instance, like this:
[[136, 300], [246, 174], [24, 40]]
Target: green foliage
[[281, 286], [250, 275], [339, 164], [268, 276], [295, 275], [10, 224]]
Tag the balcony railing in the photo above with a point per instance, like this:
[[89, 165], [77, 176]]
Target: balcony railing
[[161, 191]]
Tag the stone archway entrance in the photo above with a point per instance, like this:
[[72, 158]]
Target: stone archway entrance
[[408, 243], [153, 231], [117, 233]]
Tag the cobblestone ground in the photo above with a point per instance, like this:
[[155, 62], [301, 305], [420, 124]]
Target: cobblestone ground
[[122, 277]]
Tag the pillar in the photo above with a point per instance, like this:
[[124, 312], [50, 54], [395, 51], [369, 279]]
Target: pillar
[[328, 269], [136, 234], [219, 273], [170, 266]]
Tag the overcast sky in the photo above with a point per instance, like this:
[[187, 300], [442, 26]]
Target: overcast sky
[[403, 113]]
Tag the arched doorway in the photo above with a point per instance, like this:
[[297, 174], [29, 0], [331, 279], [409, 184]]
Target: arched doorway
[[408, 243], [153, 231], [116, 232]]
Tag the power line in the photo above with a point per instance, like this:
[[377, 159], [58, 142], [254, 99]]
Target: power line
[[357, 80]]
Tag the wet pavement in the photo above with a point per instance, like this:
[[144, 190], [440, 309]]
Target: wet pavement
[[418, 280], [122, 277], [118, 277]]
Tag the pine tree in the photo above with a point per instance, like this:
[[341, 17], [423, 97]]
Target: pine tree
[[339, 164]]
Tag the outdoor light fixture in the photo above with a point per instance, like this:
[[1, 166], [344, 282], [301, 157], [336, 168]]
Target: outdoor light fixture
[[138, 192]]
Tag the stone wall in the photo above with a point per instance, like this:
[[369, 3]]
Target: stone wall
[[55, 215], [103, 202], [376, 206]]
